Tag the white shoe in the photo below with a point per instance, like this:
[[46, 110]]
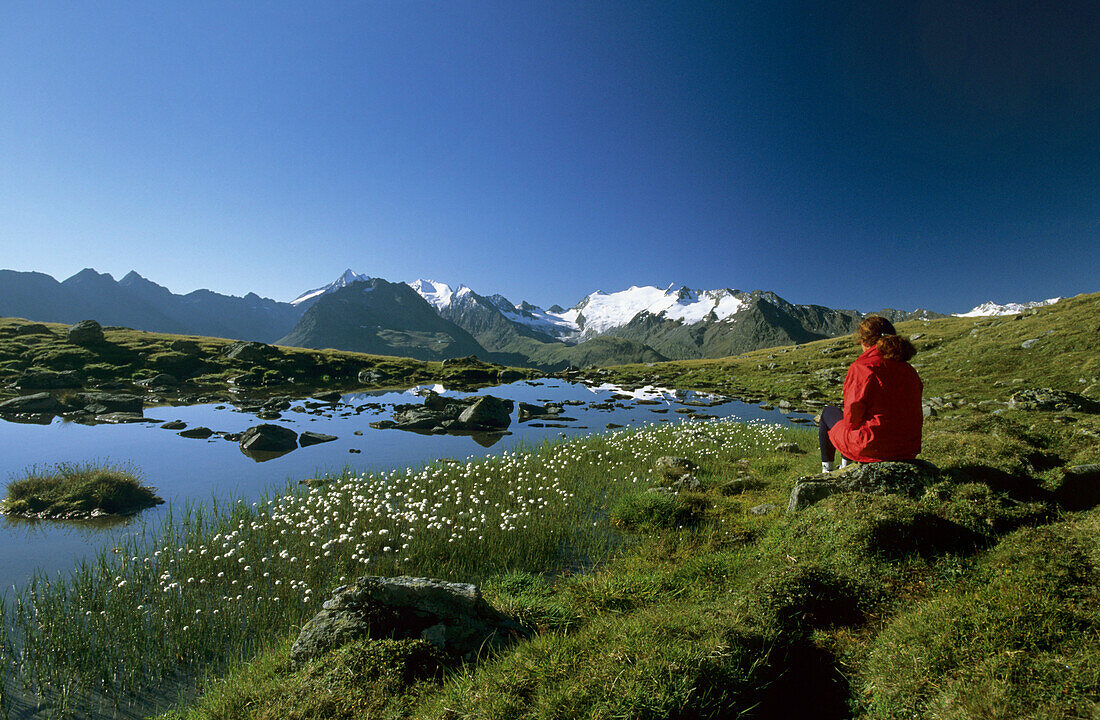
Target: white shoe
[[827, 467], [843, 463]]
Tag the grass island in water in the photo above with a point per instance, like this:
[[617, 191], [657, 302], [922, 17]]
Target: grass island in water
[[71, 491]]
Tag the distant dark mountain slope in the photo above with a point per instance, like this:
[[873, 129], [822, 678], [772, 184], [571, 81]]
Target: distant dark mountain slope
[[36, 296], [381, 318], [483, 318], [599, 351], [138, 303], [896, 316]]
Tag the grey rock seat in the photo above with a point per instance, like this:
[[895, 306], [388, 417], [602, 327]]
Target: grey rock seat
[[909, 477], [451, 616]]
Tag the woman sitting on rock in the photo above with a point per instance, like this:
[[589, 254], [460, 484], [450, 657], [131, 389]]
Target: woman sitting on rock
[[882, 413]]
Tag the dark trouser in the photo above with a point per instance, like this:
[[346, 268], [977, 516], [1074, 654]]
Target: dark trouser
[[830, 415]]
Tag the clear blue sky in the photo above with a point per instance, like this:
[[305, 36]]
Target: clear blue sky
[[852, 154]]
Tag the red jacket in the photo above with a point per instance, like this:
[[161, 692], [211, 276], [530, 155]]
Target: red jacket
[[882, 410]]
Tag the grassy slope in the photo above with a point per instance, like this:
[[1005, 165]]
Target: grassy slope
[[133, 355], [976, 358], [979, 600]]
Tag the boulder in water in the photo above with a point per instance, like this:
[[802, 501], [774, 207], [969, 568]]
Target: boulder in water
[[267, 441], [37, 403]]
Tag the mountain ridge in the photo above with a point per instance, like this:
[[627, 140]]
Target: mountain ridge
[[638, 324]]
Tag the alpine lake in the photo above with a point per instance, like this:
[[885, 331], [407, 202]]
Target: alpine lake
[[196, 472]]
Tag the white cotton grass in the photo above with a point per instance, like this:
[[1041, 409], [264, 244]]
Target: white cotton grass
[[234, 574]]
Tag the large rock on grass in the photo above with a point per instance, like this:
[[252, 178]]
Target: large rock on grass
[[33, 329], [85, 332], [451, 616], [39, 379], [1050, 399], [250, 352], [908, 477], [186, 347]]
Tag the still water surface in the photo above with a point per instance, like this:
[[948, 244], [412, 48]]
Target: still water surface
[[192, 472]]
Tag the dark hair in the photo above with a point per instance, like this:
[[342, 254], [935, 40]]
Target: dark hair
[[878, 331]]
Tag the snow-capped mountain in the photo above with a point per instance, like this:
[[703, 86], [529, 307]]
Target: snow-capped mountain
[[343, 281], [601, 312], [598, 312], [438, 294], [640, 324], [991, 308]]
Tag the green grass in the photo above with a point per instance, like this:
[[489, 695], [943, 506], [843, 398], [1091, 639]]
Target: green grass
[[132, 355], [221, 583], [71, 490], [977, 600]]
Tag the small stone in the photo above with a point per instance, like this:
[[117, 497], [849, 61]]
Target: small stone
[[762, 509], [687, 482], [671, 467], [198, 433], [311, 438]]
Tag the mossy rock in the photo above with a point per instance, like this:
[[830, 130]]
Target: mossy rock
[[175, 363], [63, 358]]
